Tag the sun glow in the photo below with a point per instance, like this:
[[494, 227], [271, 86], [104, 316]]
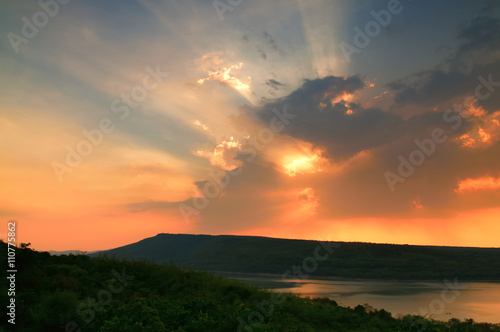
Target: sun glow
[[344, 98], [307, 162], [308, 203]]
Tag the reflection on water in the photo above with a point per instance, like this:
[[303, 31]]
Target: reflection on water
[[477, 300]]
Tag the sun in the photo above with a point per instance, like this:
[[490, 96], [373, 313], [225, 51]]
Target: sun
[[303, 163]]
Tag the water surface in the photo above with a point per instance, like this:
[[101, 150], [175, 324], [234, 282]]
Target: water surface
[[442, 300]]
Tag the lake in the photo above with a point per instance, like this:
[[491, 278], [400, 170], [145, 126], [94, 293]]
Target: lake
[[442, 300]]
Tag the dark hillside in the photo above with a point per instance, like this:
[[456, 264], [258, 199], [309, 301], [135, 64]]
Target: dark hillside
[[349, 260]]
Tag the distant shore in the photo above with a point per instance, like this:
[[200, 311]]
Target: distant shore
[[321, 277]]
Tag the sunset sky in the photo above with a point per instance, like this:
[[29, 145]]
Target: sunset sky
[[374, 121]]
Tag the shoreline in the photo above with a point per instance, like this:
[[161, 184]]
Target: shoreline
[[319, 277]]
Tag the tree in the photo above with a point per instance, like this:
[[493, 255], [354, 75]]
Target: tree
[[26, 246]]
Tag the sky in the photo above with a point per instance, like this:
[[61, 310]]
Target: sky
[[374, 121]]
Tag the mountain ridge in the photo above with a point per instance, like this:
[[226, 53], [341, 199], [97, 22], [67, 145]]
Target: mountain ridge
[[257, 254]]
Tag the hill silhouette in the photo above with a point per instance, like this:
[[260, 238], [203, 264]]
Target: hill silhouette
[[253, 254]]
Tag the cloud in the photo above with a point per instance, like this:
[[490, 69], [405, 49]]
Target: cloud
[[478, 53], [273, 43], [324, 118], [480, 42], [255, 197], [170, 206], [483, 183], [199, 125], [311, 97], [8, 213], [224, 154], [429, 87], [275, 85], [218, 71], [485, 128], [342, 175], [261, 52], [361, 146], [150, 204]]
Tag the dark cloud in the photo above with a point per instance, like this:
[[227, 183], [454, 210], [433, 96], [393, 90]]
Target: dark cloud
[[273, 43], [328, 126], [490, 6], [430, 87], [386, 136], [361, 190], [149, 205], [261, 52], [358, 189], [275, 85], [479, 37], [316, 91], [477, 55]]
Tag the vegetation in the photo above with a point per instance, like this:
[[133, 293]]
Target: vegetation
[[350, 260], [80, 293]]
